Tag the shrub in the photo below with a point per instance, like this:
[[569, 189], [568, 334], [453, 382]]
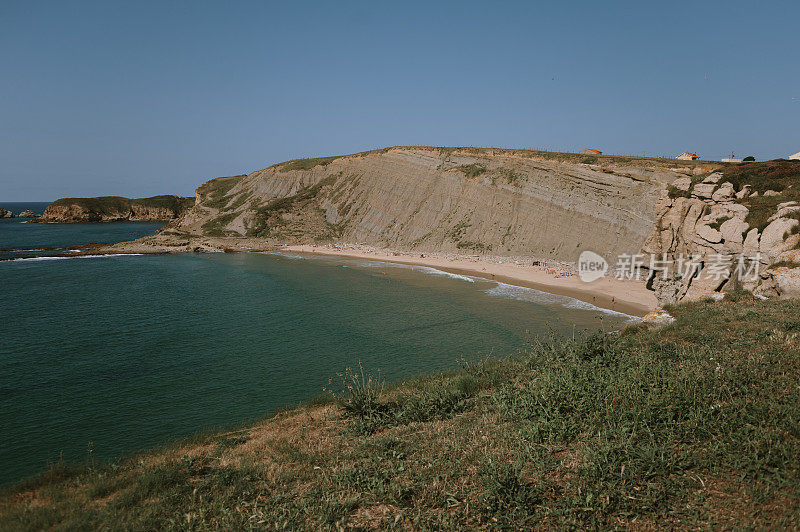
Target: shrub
[[472, 170], [358, 393], [716, 224], [675, 192]]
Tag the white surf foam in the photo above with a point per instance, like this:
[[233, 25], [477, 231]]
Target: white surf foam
[[283, 254], [522, 293], [508, 291], [425, 269], [434, 271], [37, 259]]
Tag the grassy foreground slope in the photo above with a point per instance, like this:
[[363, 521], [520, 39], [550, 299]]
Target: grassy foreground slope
[[694, 425]]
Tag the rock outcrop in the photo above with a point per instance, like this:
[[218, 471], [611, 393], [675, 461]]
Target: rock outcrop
[[6, 214], [27, 214], [734, 226], [115, 209]]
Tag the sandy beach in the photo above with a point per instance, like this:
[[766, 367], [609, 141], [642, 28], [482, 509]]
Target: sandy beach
[[629, 297]]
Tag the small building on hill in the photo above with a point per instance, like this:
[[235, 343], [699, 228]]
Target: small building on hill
[[731, 160], [688, 156], [795, 157], [590, 151]]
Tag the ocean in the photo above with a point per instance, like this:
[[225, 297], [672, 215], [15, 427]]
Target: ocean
[[118, 354]]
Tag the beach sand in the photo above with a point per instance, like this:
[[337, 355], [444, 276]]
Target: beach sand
[[629, 297]]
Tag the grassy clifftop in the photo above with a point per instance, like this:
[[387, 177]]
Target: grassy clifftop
[[115, 208], [695, 425], [567, 157], [117, 203]]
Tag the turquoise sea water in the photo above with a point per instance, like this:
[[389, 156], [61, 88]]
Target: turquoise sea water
[[128, 352]]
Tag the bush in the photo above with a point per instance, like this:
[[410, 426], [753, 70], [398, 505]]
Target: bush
[[472, 170], [675, 192], [359, 393]]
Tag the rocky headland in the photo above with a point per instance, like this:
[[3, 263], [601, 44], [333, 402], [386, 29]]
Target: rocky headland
[[115, 209]]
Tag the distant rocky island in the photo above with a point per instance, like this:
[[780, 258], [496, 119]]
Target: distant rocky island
[[24, 214], [116, 209]]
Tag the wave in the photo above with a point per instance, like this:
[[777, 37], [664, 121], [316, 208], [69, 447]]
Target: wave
[[367, 263], [37, 259], [531, 295], [283, 254], [425, 269], [434, 271], [508, 291]]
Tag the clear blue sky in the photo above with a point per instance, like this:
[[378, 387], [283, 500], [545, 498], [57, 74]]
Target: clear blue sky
[[143, 98]]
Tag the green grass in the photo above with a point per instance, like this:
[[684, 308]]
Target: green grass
[[780, 175], [471, 171], [118, 203], [215, 192], [675, 192], [716, 224], [268, 215], [216, 226], [480, 247], [308, 164], [511, 177], [683, 427], [785, 264]]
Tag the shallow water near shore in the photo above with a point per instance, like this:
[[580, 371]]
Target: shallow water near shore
[[128, 352]]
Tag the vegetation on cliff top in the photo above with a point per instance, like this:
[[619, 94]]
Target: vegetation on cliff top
[[682, 427], [215, 190], [118, 203], [780, 176], [568, 157]]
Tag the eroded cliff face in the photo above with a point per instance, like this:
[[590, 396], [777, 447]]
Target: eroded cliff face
[[482, 201], [114, 209], [743, 217]]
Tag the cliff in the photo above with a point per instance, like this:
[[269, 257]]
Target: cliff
[[747, 210], [464, 200], [521, 204], [115, 208]]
